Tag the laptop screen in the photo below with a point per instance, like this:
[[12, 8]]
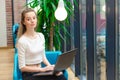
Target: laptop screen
[[65, 60]]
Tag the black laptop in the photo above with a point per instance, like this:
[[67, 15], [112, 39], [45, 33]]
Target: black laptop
[[63, 62]]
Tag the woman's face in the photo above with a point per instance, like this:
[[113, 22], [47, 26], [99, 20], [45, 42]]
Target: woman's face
[[30, 20]]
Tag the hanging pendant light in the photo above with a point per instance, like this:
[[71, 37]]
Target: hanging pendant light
[[60, 13]]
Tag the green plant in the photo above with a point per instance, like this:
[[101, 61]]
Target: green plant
[[48, 25]]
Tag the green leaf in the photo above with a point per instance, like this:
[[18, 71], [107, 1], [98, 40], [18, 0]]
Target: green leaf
[[53, 6]]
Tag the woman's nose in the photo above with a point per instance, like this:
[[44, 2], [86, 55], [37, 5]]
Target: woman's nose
[[32, 20]]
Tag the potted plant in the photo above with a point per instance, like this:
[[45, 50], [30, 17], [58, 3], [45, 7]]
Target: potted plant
[[48, 24]]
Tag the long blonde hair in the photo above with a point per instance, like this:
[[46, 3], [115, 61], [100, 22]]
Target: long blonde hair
[[22, 28]]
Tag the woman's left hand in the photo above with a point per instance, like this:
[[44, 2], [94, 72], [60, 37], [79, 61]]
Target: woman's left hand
[[59, 73]]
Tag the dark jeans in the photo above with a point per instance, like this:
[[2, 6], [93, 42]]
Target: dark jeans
[[29, 76]]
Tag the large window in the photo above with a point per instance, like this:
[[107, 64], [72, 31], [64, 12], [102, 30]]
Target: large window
[[98, 39]]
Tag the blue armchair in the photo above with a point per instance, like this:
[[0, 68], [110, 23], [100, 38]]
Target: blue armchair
[[51, 56]]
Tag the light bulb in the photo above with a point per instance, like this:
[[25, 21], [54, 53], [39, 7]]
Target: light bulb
[[61, 13], [104, 8]]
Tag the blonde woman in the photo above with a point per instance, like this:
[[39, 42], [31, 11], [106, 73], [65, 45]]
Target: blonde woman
[[31, 49]]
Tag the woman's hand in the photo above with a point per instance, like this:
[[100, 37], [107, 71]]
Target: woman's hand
[[59, 73], [49, 68]]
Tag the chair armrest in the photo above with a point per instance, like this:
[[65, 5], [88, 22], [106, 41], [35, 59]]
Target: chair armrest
[[16, 72], [65, 73], [15, 75]]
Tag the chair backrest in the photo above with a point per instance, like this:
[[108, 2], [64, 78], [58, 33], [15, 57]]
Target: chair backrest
[[52, 56], [14, 32]]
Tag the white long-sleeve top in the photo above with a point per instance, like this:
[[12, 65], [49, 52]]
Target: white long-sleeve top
[[31, 51]]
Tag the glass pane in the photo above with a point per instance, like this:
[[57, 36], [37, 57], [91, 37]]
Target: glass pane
[[100, 43], [83, 53]]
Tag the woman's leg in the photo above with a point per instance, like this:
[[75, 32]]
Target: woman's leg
[[29, 76]]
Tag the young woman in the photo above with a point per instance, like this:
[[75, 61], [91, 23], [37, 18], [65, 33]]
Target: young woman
[[31, 49]]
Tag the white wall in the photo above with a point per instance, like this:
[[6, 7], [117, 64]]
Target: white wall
[[3, 33]]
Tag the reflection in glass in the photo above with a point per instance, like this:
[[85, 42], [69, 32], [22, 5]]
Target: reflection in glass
[[83, 53], [100, 43]]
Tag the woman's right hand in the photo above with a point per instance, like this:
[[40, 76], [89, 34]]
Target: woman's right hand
[[48, 68]]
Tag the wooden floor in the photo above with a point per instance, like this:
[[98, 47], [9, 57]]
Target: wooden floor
[[6, 65]]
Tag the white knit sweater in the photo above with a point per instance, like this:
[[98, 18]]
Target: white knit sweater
[[31, 51]]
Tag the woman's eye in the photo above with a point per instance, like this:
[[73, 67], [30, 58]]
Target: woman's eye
[[34, 17], [28, 19]]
